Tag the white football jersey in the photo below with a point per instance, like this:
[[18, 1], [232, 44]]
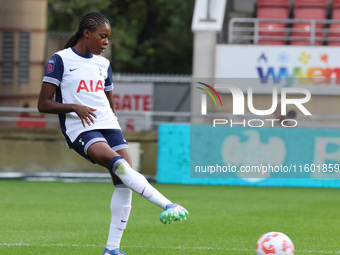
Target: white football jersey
[[83, 80]]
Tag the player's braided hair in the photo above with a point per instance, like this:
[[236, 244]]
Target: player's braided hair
[[90, 21]]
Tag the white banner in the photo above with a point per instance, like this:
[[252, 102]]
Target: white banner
[[316, 68], [132, 98]]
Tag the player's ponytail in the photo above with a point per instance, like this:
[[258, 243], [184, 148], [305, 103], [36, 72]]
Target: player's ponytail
[[72, 41], [90, 21]]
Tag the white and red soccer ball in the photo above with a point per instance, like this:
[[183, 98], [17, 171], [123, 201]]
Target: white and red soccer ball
[[274, 243]]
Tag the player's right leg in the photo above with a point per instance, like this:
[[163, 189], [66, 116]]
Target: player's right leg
[[138, 183], [102, 154], [173, 212]]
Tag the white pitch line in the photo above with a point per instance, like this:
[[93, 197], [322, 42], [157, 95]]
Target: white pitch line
[[191, 248], [51, 245], [162, 247], [231, 249]]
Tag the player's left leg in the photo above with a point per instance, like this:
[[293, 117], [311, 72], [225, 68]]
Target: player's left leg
[[105, 156], [120, 212], [173, 212], [120, 205], [113, 252], [118, 154], [119, 165], [139, 184], [102, 154]]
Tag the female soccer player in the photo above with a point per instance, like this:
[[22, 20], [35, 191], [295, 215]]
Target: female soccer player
[[81, 82]]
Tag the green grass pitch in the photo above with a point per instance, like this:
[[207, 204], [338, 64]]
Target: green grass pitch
[[73, 218]]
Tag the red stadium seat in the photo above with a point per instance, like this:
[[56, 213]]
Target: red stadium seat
[[272, 33], [336, 3], [301, 33], [336, 10], [272, 13], [318, 3], [273, 9], [282, 3], [310, 9], [336, 14], [310, 13], [333, 38]]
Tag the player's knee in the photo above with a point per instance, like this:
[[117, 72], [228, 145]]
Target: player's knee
[[116, 165], [131, 178]]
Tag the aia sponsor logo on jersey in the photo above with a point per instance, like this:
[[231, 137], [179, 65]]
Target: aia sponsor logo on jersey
[[91, 86]]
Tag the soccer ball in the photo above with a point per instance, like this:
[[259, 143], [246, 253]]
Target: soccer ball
[[274, 243]]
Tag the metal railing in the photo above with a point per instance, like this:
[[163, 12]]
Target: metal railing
[[16, 115], [161, 78], [248, 30], [13, 115]]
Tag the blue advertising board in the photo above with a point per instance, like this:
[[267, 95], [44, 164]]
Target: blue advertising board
[[199, 154]]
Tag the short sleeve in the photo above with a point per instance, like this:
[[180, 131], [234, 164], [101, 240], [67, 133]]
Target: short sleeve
[[109, 80], [54, 70]]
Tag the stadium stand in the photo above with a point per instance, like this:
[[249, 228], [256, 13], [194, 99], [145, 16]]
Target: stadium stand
[[272, 32], [280, 22]]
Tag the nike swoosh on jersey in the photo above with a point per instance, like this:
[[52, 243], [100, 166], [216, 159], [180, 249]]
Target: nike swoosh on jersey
[[73, 69]]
